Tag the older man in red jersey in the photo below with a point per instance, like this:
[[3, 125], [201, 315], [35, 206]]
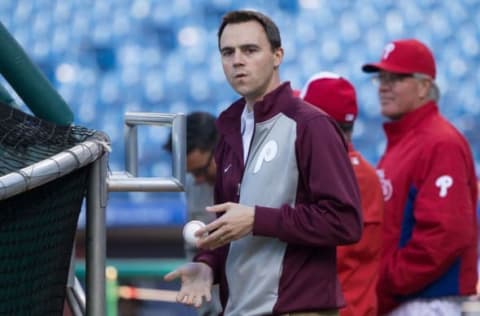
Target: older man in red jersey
[[429, 261]]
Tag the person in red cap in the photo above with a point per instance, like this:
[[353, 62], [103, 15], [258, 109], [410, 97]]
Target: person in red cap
[[429, 259], [357, 264]]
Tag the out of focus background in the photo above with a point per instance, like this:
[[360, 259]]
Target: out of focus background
[[109, 57]]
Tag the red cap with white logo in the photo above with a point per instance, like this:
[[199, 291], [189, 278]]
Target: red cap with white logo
[[332, 94], [406, 56]]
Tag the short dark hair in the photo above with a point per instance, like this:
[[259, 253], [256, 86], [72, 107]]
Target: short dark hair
[[240, 16], [201, 133]]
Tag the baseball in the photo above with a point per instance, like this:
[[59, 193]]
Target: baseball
[[189, 231]]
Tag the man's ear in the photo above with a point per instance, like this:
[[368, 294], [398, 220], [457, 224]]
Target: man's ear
[[278, 57], [424, 88]]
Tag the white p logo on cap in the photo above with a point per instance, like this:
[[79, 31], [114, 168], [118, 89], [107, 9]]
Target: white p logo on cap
[[387, 50]]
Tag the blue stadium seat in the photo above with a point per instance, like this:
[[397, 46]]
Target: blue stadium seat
[[162, 56]]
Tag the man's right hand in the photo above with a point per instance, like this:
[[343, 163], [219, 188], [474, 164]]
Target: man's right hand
[[197, 279]]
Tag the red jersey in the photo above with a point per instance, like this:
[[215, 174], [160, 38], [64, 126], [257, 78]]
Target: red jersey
[[430, 232], [358, 264]]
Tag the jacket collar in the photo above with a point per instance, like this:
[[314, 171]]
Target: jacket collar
[[396, 129], [271, 104]]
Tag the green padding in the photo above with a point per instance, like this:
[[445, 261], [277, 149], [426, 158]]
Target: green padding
[[6, 98], [29, 82], [136, 267]]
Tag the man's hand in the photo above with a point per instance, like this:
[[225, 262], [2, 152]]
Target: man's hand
[[197, 279], [234, 224]]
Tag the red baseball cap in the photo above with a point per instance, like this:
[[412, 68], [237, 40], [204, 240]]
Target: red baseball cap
[[332, 94], [405, 56]]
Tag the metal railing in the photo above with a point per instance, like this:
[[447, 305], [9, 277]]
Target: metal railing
[[125, 181], [128, 180]]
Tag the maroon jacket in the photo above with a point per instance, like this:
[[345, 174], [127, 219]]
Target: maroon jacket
[[299, 178]]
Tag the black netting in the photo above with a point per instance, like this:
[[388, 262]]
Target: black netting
[[25, 139], [37, 227]]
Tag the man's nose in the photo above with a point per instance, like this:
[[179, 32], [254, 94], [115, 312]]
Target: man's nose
[[384, 85], [238, 58]]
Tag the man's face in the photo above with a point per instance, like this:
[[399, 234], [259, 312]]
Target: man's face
[[201, 165], [249, 64], [400, 94]]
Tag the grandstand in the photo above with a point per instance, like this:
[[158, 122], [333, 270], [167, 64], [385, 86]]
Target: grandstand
[[110, 57]]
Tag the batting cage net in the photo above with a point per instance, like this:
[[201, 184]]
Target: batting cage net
[[37, 226]]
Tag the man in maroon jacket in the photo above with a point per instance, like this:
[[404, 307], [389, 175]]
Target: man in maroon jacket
[[285, 191]]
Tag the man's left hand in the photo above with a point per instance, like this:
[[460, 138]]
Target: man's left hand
[[234, 224]]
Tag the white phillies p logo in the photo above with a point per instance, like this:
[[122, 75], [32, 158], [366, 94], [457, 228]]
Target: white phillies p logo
[[269, 151], [444, 183], [387, 50], [387, 188]]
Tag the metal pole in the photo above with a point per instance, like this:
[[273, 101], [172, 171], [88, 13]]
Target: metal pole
[[75, 293], [179, 147], [96, 238], [124, 182], [131, 149], [74, 305]]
